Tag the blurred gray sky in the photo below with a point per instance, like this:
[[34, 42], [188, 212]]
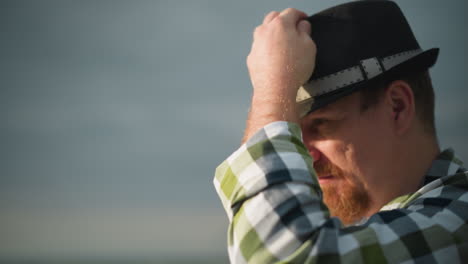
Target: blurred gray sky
[[115, 114]]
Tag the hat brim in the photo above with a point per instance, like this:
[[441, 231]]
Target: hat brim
[[416, 64]]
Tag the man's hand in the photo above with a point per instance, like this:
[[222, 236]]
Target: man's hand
[[282, 59]]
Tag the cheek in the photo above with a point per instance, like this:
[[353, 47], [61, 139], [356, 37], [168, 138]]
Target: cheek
[[365, 154], [354, 162], [375, 130], [355, 155], [346, 157], [340, 154]]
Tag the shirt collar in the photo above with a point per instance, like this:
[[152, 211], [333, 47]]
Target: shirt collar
[[446, 163]]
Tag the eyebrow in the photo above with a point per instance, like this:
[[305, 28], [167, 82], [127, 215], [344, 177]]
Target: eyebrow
[[318, 122], [326, 114]]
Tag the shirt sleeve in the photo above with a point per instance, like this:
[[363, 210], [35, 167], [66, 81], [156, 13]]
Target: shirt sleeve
[[273, 201]]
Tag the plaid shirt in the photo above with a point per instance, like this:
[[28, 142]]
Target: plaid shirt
[[273, 200]]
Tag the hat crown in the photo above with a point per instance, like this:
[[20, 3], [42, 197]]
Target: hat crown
[[348, 33]]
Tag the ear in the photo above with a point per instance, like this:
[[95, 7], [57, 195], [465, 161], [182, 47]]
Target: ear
[[400, 101]]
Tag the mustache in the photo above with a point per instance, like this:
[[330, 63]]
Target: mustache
[[327, 168]]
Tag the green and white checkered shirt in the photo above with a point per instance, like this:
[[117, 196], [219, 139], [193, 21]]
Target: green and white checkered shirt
[[273, 200]]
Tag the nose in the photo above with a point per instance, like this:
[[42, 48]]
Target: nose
[[309, 141], [315, 153]]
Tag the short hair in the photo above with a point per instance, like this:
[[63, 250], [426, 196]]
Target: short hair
[[423, 92]]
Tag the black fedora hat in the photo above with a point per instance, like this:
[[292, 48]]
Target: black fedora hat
[[359, 44]]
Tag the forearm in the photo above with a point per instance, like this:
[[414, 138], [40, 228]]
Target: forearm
[[268, 109], [282, 59]]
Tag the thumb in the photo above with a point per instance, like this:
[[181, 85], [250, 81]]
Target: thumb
[[304, 27]]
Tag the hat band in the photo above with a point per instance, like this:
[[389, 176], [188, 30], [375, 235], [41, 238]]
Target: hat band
[[366, 69]]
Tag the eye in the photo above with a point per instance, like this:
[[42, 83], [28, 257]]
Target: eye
[[315, 126], [321, 128]]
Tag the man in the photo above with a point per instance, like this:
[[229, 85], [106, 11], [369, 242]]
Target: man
[[365, 181]]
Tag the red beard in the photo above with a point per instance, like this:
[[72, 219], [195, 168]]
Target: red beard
[[346, 200]]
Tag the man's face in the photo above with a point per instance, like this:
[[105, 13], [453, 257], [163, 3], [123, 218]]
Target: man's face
[[348, 147]]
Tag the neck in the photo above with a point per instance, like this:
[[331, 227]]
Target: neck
[[421, 155], [412, 158]]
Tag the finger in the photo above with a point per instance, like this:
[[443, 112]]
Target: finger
[[304, 27], [270, 17], [292, 16]]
